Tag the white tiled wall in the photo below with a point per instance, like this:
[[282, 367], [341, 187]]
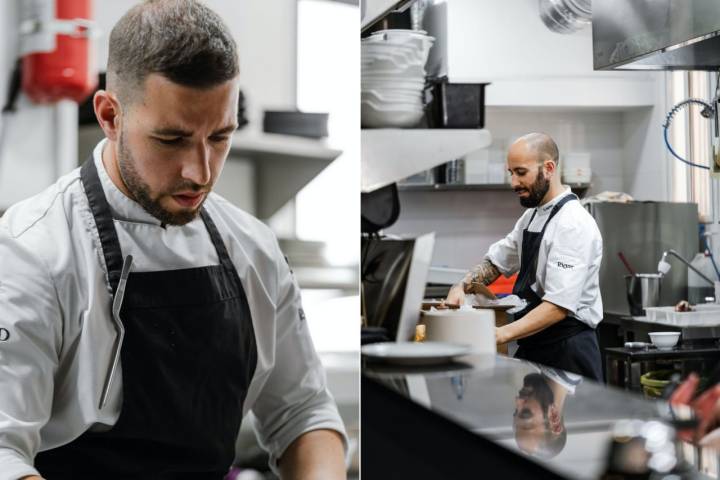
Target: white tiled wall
[[465, 223], [598, 132], [468, 222]]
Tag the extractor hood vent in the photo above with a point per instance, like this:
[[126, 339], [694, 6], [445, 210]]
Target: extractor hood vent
[[656, 34]]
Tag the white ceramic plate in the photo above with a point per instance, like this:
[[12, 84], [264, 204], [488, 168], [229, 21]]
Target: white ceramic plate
[[413, 353]]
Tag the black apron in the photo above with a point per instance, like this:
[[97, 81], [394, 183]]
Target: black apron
[[570, 344], [188, 357]]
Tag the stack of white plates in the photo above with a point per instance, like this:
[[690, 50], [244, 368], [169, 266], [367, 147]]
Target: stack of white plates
[[393, 77]]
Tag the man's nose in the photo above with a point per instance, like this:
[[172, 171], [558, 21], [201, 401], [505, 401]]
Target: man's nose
[[197, 167]]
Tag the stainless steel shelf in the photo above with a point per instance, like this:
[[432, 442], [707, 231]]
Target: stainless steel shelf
[[392, 154], [283, 164], [479, 187]]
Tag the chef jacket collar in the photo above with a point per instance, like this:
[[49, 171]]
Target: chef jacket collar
[[122, 207], [548, 206]]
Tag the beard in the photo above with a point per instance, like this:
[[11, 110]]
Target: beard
[[142, 194], [536, 192]]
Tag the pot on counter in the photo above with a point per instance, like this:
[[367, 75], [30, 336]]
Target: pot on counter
[[643, 290]]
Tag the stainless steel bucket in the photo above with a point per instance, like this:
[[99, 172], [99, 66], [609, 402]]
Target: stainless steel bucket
[[643, 290]]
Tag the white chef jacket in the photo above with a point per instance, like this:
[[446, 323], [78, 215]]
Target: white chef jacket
[[568, 380], [568, 261], [55, 305]]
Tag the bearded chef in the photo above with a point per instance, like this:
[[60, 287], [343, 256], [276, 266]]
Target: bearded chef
[[556, 248], [142, 314]]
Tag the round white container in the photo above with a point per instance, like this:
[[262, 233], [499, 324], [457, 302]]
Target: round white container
[[466, 326]]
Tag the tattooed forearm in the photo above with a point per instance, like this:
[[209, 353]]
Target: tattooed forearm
[[482, 274]]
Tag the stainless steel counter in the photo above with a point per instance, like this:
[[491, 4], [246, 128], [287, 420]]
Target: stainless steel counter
[[501, 399]]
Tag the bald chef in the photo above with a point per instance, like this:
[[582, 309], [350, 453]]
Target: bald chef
[[556, 247]]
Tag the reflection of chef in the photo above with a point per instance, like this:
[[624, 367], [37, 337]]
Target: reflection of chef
[[538, 419]]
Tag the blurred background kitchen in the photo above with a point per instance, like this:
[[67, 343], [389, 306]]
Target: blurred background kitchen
[[290, 169], [628, 90]]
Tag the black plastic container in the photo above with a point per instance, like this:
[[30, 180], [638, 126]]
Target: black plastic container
[[303, 124], [457, 105]]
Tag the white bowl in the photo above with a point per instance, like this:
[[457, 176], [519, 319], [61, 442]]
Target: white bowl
[[382, 96], [390, 68], [400, 32], [664, 340], [373, 116], [392, 107], [406, 84], [386, 48], [392, 59], [399, 36], [380, 83], [409, 53]]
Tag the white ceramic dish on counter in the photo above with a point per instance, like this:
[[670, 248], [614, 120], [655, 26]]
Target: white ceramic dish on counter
[[664, 340], [414, 353]]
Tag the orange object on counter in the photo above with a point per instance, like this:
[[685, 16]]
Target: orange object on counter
[[502, 285]]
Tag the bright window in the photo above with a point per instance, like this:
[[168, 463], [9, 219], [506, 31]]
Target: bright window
[[328, 208]]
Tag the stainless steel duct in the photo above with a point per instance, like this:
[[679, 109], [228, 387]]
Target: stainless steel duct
[[566, 16], [656, 35]]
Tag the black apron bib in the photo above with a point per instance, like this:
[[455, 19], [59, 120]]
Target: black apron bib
[[188, 357], [569, 344]]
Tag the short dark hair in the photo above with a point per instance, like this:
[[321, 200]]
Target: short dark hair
[[183, 40], [543, 145]]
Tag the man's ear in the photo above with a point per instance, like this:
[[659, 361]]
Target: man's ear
[[550, 167], [108, 113]]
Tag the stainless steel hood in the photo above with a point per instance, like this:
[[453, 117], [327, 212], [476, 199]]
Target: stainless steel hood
[[656, 34]]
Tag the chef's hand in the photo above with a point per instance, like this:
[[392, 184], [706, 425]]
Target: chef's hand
[[456, 295]]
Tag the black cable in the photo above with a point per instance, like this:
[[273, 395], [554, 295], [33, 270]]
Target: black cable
[[14, 90]]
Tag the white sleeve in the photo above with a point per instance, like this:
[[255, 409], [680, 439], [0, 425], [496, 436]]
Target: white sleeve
[[505, 253], [31, 321], [295, 399], [571, 254]]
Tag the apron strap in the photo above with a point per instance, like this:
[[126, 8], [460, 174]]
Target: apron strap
[[217, 240], [532, 217], [528, 263], [554, 211], [106, 228], [104, 222]]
